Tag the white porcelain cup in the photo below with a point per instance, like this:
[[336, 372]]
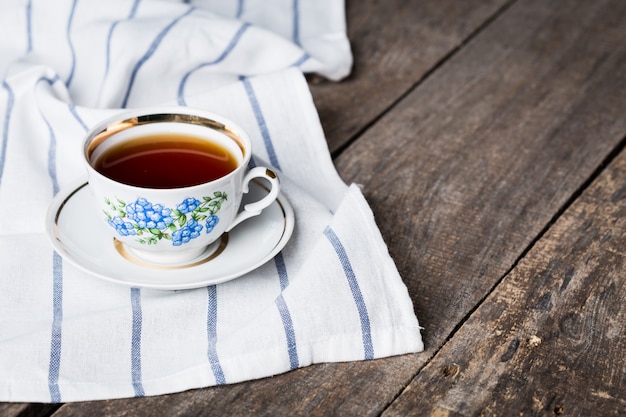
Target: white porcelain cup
[[165, 224]]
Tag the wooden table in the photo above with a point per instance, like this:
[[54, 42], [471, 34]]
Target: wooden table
[[489, 136]]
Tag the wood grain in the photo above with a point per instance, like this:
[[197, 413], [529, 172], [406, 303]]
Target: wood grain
[[26, 410], [395, 43], [551, 339]]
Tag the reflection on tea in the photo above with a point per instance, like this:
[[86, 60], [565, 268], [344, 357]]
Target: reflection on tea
[[165, 161]]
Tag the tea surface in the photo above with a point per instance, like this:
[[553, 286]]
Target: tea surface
[[165, 161]]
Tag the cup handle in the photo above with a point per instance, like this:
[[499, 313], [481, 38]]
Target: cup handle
[[254, 209]]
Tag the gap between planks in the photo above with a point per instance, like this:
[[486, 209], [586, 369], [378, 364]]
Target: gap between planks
[[445, 58]]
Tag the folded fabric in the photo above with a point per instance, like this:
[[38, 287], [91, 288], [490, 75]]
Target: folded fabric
[[332, 294]]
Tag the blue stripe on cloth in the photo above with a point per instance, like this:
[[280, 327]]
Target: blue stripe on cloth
[[368, 347], [231, 45], [305, 57], [107, 58], [153, 47], [5, 128], [56, 331], [135, 348], [285, 315], [29, 26], [52, 151], [107, 62], [296, 22], [282, 270], [211, 327], [72, 109], [52, 155], [133, 9], [260, 119], [71, 45], [239, 9], [290, 334]]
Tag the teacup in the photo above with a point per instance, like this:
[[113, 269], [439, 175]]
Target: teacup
[[168, 181]]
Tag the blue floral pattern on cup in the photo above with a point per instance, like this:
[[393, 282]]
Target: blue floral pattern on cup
[[153, 222]]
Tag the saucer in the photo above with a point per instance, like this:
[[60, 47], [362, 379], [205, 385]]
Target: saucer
[[245, 248]]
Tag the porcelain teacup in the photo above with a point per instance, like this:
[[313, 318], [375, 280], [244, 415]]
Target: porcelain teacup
[[168, 181]]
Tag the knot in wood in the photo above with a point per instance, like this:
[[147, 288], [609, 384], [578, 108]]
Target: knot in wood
[[451, 370]]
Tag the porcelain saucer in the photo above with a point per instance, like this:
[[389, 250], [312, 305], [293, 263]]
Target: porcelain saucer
[[245, 248]]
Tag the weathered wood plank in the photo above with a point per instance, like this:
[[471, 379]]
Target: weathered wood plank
[[470, 167], [26, 410], [551, 339], [395, 43], [320, 390]]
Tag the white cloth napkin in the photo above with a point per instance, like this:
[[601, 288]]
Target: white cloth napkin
[[333, 293]]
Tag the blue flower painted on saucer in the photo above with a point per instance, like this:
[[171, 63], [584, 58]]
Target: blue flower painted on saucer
[[154, 222]]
